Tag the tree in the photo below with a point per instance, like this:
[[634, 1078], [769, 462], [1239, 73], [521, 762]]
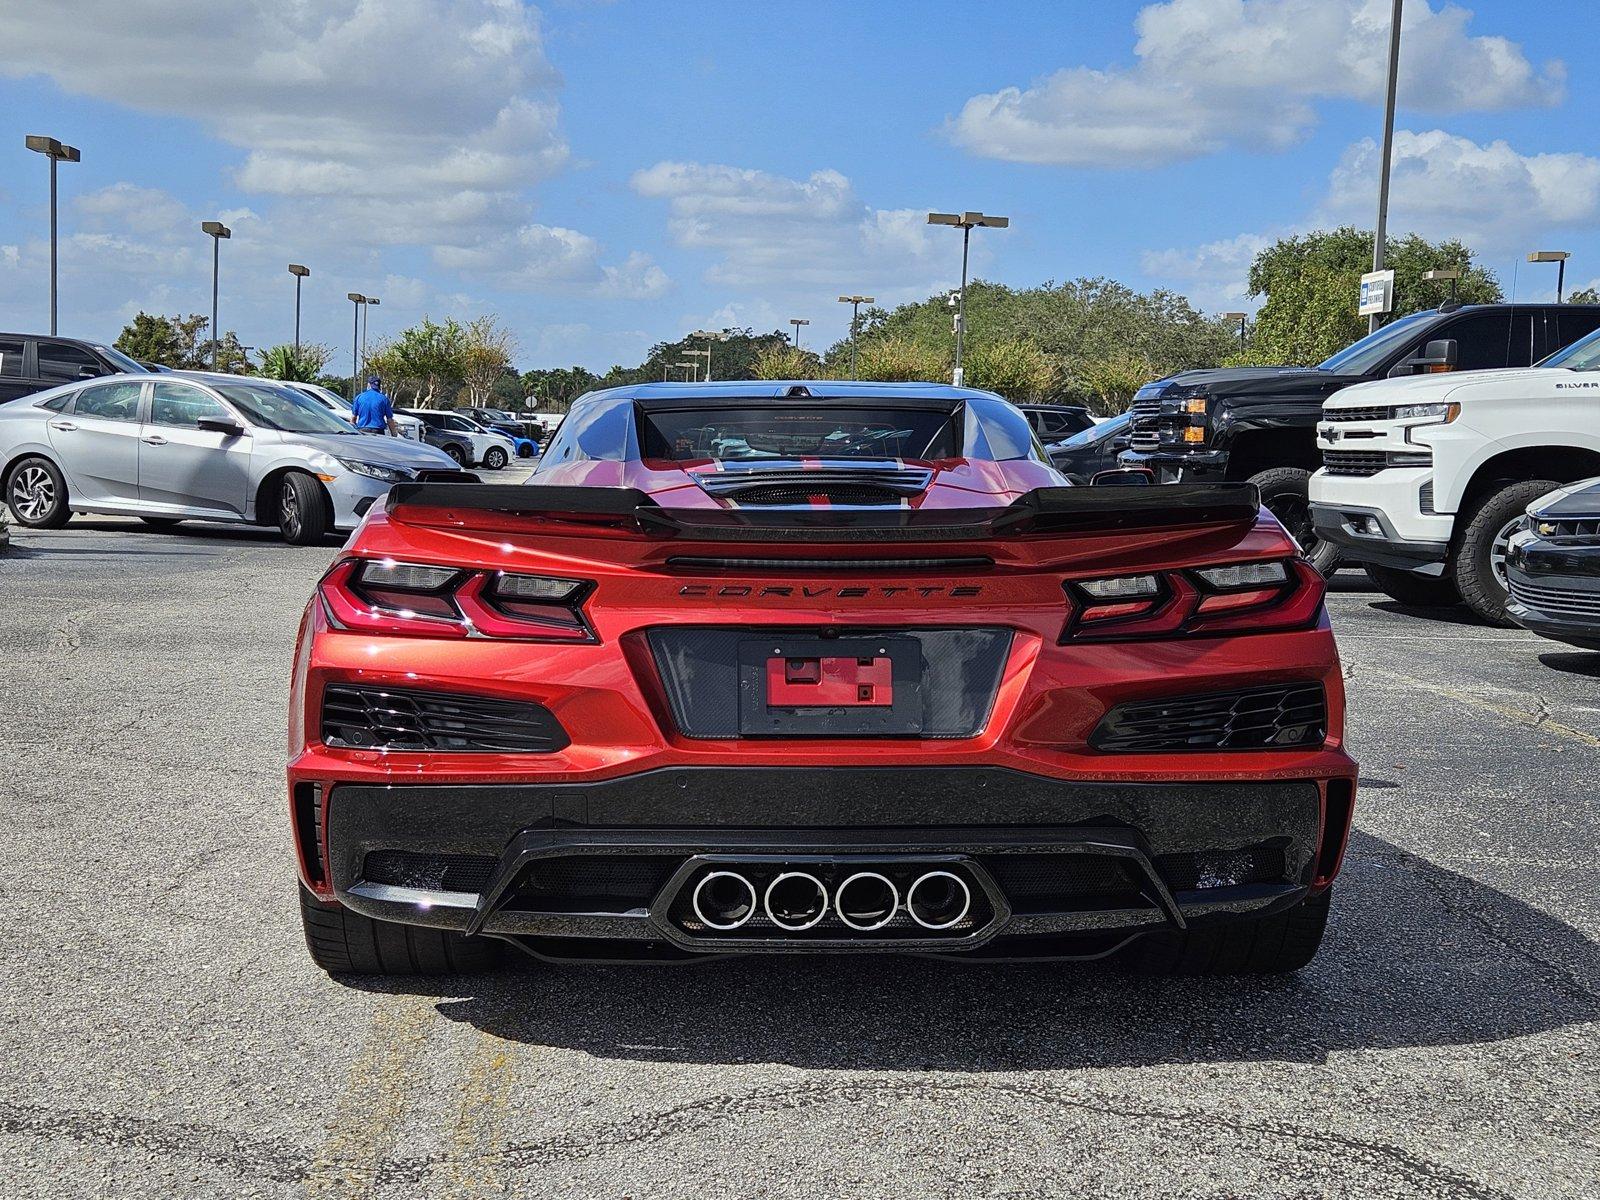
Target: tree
[[1017, 369], [485, 354], [1311, 284], [787, 362], [1108, 383], [423, 365], [555, 389], [180, 343], [898, 358], [303, 365], [1586, 295]]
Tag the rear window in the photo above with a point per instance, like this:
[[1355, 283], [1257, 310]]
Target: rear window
[[767, 431]]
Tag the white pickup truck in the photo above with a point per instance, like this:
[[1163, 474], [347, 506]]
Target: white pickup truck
[[1425, 478]]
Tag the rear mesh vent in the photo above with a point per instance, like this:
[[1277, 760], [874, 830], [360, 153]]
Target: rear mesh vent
[[1222, 868], [836, 485], [365, 718], [1267, 718], [431, 872], [1047, 882]]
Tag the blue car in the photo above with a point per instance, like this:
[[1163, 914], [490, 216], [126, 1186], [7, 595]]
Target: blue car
[[526, 447]]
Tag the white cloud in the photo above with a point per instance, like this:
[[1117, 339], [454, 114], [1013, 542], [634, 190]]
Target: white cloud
[[542, 257], [1488, 195], [10, 257], [1214, 73], [1214, 276], [768, 229]]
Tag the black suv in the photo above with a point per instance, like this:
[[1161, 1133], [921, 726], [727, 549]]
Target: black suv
[[31, 362], [1260, 423]]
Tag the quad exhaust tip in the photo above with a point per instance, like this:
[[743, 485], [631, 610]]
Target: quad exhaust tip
[[938, 900], [724, 900], [795, 900], [866, 901]]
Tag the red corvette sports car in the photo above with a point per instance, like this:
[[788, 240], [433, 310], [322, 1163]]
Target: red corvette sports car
[[791, 667]]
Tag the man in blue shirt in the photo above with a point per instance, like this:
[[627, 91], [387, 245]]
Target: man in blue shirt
[[372, 411]]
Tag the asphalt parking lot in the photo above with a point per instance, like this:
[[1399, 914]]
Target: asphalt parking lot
[[162, 1032]]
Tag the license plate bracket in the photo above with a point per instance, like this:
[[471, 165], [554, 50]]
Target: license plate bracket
[[830, 687]]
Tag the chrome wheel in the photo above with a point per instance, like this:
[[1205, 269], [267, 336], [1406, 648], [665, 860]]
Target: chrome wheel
[[33, 493], [1497, 552]]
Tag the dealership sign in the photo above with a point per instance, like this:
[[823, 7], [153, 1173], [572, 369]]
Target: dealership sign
[[1377, 293]]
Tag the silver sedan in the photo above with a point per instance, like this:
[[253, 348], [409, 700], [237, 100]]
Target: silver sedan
[[166, 447]]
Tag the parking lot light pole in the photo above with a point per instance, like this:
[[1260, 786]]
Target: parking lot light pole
[[855, 303], [1380, 234], [1241, 318], [797, 322], [691, 371], [698, 354], [1559, 257], [966, 222], [357, 299], [299, 273], [365, 316], [55, 152], [1451, 275], [710, 335], [217, 230]]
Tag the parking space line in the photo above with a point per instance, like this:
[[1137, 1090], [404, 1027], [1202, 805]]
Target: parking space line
[[373, 1104], [1522, 716]]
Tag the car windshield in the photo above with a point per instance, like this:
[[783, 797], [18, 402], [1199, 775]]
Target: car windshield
[[283, 408], [122, 361], [1110, 427], [1582, 355], [768, 432], [1363, 357]]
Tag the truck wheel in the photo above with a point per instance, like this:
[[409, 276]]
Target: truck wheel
[[345, 943], [37, 494], [303, 516], [1285, 491], [1478, 563], [1273, 945], [1413, 590]]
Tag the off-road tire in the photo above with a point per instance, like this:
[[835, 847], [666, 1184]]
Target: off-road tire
[[1413, 590], [1273, 945], [1286, 492], [345, 943], [1470, 560], [304, 514], [57, 511]]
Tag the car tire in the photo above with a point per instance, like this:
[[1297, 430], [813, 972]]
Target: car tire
[[1414, 590], [162, 522], [495, 458], [1477, 563], [303, 510], [36, 493], [1286, 493], [525, 451], [342, 942], [456, 453], [1278, 944]]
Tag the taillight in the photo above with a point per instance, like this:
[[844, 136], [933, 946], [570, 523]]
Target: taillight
[[1254, 597], [384, 596]]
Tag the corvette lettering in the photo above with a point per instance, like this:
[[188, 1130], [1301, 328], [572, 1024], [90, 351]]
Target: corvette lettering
[[808, 592]]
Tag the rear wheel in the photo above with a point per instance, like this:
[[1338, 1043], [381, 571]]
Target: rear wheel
[[1286, 493], [37, 494], [1413, 590], [1478, 565], [343, 942], [1272, 945], [455, 452], [303, 510], [494, 458]]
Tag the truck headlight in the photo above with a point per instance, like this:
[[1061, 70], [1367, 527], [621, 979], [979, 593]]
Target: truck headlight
[[1438, 414]]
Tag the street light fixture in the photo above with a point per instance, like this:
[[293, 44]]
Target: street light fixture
[[1559, 257], [797, 322], [690, 373], [56, 152], [966, 222], [365, 316], [855, 303], [357, 299], [217, 231], [705, 354], [1451, 275], [299, 273], [710, 335], [1241, 318]]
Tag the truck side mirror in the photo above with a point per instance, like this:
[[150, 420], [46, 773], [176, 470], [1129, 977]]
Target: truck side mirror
[[1124, 477], [1437, 355]]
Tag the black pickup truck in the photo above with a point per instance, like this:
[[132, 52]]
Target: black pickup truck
[[1260, 423]]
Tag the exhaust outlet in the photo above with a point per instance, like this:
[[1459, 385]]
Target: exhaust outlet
[[724, 900], [938, 900], [866, 901], [796, 900]]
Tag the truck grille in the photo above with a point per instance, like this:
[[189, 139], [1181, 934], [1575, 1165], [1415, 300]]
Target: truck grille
[[1266, 718], [1379, 413], [1370, 462], [1559, 602], [1587, 529], [371, 718], [1143, 427]]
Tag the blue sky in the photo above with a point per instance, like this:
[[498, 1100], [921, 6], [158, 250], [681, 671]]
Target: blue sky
[[603, 176]]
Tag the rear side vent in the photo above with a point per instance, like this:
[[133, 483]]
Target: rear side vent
[[1269, 718], [369, 718], [307, 804], [1336, 817]]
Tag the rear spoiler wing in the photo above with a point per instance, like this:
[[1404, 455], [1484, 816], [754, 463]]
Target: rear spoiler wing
[[1051, 510]]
